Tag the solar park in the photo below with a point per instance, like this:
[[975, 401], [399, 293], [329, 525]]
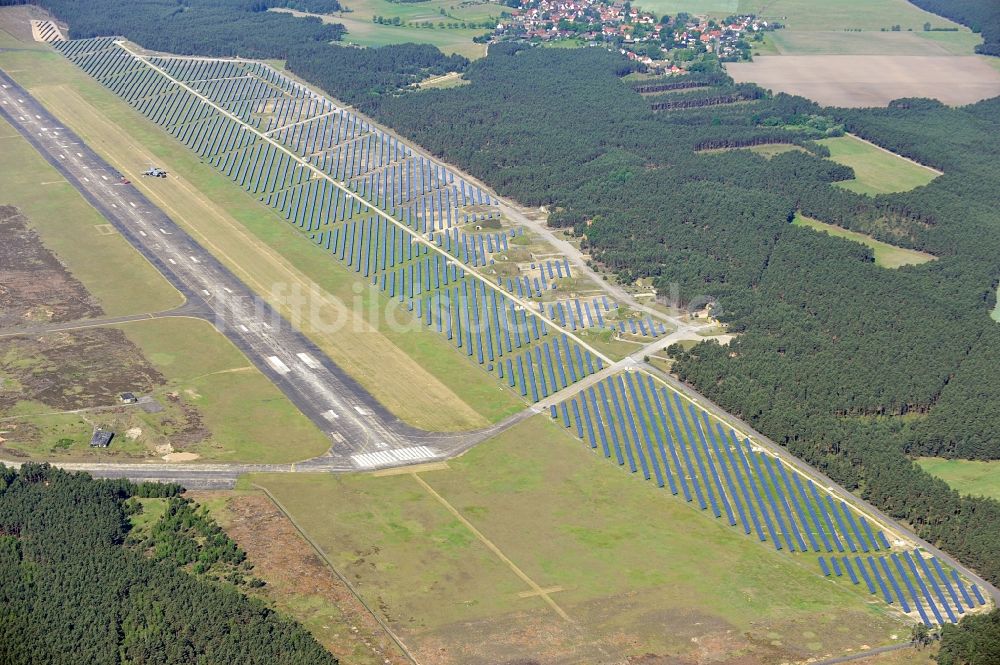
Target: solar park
[[634, 421], [407, 226], [318, 174]]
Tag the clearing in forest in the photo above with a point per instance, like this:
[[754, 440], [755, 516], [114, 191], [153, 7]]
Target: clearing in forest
[[973, 477], [435, 22], [876, 170], [886, 255]]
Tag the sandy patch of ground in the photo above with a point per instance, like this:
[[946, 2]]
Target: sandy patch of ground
[[872, 80], [181, 457], [133, 433]]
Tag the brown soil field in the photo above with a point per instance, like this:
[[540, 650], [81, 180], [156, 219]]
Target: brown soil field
[[299, 583], [872, 80], [74, 369], [35, 286]]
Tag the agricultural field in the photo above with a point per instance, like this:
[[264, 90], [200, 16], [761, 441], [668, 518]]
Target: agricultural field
[[420, 23], [973, 477], [868, 15], [872, 80], [886, 255], [525, 536], [796, 42], [195, 388], [876, 170], [720, 8]]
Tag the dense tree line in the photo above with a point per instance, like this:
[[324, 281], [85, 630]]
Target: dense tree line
[[357, 74], [198, 27], [982, 16], [975, 640], [73, 591]]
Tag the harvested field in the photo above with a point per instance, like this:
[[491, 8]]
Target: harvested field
[[299, 583], [34, 285], [873, 80]]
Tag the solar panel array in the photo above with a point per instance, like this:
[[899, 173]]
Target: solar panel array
[[347, 156], [638, 423], [935, 592], [635, 421], [588, 313], [48, 31]]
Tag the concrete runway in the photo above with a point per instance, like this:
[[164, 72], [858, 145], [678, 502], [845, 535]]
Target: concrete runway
[[363, 434]]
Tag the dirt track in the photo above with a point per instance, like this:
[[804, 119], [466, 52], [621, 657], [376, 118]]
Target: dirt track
[[872, 80]]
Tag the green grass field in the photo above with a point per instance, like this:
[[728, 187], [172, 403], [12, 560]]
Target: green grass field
[[209, 387], [807, 42], [854, 27], [413, 371], [122, 281], [362, 31], [637, 571], [978, 478], [721, 8], [844, 14], [886, 255], [876, 171]]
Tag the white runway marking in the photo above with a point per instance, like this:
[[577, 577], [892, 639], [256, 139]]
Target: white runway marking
[[363, 411], [142, 233], [244, 329], [279, 367], [172, 262], [227, 289], [206, 292], [104, 177], [384, 457], [193, 259], [309, 360], [133, 205], [330, 415]]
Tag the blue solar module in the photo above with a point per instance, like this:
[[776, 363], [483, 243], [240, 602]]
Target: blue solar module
[[824, 567], [850, 570], [864, 574]]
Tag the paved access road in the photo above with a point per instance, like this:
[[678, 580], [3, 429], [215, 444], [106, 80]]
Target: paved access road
[[363, 433]]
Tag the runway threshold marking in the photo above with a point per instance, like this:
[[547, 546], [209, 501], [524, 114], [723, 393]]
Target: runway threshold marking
[[309, 361], [277, 365]]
